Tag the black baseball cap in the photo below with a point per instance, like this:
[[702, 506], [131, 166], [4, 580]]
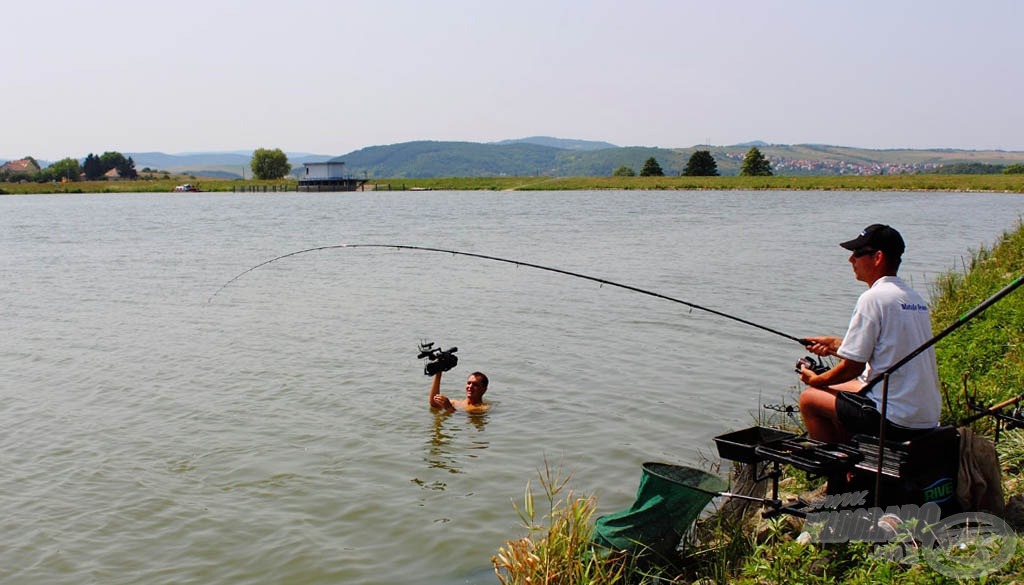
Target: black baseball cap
[[878, 237]]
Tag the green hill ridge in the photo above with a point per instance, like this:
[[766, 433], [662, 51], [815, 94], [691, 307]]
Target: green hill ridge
[[559, 157]]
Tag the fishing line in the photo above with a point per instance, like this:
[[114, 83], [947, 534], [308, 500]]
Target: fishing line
[[601, 281]]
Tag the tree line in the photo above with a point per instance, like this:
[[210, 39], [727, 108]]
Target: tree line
[[266, 164], [702, 164], [92, 168]]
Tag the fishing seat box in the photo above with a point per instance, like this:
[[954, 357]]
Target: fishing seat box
[[914, 471]]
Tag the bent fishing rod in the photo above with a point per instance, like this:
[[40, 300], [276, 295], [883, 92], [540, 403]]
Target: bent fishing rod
[[517, 263]]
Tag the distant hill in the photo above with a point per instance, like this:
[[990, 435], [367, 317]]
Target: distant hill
[[527, 158], [453, 159], [159, 160], [820, 159], [562, 143], [548, 156], [222, 165]]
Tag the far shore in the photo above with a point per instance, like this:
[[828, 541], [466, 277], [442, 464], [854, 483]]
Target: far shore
[[1001, 183]]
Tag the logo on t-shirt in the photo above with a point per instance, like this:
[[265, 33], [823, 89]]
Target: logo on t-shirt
[[913, 307]]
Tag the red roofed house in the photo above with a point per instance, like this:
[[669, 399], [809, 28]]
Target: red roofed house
[[25, 166]]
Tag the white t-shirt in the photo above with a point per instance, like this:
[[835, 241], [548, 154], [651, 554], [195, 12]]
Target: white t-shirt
[[889, 322]]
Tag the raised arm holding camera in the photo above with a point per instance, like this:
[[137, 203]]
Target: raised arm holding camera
[[441, 361]]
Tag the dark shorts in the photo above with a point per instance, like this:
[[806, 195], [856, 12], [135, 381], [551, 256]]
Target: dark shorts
[[858, 413]]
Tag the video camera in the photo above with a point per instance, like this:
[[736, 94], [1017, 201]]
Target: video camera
[[437, 360]]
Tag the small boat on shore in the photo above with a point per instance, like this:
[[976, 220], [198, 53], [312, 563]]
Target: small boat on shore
[[186, 188]]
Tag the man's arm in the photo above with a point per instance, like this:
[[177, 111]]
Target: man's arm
[[844, 371], [824, 345], [435, 399]]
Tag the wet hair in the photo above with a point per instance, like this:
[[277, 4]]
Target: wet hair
[[481, 377]]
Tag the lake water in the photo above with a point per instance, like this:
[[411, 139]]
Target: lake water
[[279, 433]]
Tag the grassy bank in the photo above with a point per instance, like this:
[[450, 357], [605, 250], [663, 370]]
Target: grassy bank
[[984, 359], [987, 352], [980, 183], [992, 183], [144, 186]]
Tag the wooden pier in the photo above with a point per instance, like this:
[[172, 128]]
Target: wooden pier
[[330, 184]]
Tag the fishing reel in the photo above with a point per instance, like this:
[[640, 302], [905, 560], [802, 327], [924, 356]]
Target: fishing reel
[[810, 362], [1016, 419], [437, 360]]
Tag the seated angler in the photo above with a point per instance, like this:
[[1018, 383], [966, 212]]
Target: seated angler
[[890, 321]]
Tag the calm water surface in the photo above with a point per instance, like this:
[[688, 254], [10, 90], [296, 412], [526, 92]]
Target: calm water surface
[[278, 433]]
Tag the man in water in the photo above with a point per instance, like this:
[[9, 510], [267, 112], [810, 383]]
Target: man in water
[[476, 386], [889, 322]]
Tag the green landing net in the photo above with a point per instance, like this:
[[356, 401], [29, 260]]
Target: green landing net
[[669, 500]]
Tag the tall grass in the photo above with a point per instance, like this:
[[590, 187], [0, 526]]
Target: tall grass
[[987, 352], [557, 549]]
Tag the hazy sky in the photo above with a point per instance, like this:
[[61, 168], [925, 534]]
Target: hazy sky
[[333, 76]]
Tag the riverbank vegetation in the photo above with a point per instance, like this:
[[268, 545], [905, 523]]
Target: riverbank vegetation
[[147, 183], [984, 183], [986, 354], [156, 182], [983, 361]]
